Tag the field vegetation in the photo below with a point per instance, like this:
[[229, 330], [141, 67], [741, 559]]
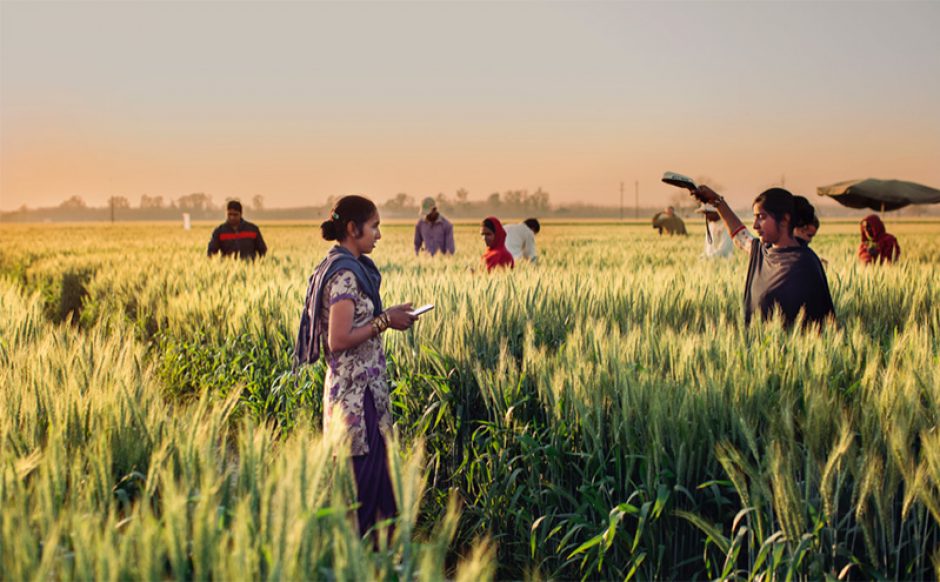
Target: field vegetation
[[603, 414]]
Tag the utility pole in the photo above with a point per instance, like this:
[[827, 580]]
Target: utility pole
[[636, 199], [112, 209], [621, 201]]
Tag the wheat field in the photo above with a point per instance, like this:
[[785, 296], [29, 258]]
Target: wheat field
[[601, 415]]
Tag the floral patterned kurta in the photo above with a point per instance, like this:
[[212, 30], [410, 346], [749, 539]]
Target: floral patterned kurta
[[351, 372]]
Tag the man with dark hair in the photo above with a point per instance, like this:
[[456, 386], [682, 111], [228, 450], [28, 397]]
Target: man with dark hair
[[520, 239], [237, 235]]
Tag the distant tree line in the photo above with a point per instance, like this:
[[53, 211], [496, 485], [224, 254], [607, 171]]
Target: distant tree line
[[198, 205], [197, 202], [508, 204]]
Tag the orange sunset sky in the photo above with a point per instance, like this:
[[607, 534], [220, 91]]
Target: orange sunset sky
[[298, 101]]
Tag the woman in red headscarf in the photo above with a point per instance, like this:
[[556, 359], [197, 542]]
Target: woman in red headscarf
[[877, 245], [494, 236]]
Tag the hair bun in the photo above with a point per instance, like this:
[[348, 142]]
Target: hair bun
[[328, 230], [355, 210], [803, 212]]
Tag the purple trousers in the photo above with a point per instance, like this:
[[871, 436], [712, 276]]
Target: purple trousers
[[373, 484]]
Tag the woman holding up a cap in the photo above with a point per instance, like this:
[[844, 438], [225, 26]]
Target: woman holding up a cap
[[783, 276]]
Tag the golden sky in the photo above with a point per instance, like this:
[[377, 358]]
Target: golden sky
[[298, 101]]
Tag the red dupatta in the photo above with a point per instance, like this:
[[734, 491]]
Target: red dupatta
[[498, 256], [877, 245]]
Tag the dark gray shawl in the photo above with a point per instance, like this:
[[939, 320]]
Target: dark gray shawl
[[790, 279]]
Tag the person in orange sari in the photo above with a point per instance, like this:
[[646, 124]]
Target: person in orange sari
[[877, 245], [496, 255]]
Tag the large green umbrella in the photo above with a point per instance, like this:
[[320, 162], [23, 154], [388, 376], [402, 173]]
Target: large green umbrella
[[879, 195]]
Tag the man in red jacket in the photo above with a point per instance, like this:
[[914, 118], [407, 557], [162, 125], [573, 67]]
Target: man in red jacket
[[236, 235]]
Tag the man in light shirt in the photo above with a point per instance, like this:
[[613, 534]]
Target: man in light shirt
[[433, 232], [520, 239], [717, 242]]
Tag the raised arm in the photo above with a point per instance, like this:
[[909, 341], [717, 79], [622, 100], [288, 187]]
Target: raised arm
[[739, 234]]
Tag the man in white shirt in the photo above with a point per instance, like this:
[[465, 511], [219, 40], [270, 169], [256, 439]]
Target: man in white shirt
[[520, 239], [717, 242]]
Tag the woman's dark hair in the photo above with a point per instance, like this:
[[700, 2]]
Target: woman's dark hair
[[803, 213], [489, 224], [778, 202], [533, 224], [354, 209]]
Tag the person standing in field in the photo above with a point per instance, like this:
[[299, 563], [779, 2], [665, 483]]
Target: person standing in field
[[520, 239], [782, 274], [343, 310], [237, 236], [433, 231], [717, 242], [494, 236], [669, 222], [877, 245]]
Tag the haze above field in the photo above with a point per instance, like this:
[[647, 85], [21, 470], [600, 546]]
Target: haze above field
[[298, 101]]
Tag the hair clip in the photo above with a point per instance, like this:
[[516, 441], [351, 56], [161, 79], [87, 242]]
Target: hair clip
[[335, 216]]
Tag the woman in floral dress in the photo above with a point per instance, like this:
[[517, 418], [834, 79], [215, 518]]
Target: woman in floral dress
[[343, 309]]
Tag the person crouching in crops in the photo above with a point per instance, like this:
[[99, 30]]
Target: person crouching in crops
[[877, 245], [782, 273], [494, 236], [668, 221], [343, 308]]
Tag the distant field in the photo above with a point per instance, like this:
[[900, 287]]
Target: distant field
[[603, 414]]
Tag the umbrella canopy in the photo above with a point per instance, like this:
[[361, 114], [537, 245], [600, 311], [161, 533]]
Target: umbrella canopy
[[879, 195]]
